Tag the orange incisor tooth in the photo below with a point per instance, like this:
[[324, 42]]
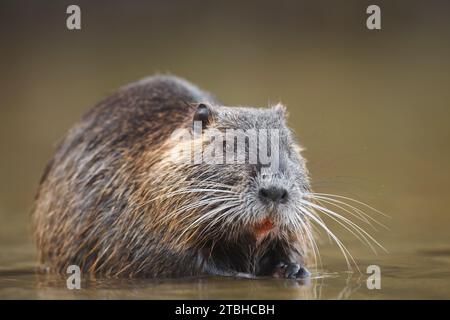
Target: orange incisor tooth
[[264, 226]]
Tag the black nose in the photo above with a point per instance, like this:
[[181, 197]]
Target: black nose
[[273, 194]]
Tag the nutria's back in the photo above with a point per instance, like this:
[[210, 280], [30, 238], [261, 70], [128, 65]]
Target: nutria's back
[[113, 202]]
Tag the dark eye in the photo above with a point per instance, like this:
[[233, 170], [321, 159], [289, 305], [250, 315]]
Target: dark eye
[[203, 114]]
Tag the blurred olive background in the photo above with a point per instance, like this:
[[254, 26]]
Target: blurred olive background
[[371, 107]]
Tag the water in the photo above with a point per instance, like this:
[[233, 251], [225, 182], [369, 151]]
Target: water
[[420, 275], [371, 109]]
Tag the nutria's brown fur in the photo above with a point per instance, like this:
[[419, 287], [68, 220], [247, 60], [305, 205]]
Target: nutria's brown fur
[[111, 201]]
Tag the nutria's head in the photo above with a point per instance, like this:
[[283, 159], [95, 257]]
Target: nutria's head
[[233, 172]]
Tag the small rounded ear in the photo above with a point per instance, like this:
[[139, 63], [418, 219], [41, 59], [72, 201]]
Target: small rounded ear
[[281, 110], [203, 113]]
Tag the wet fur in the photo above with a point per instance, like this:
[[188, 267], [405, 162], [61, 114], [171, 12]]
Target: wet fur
[[101, 202]]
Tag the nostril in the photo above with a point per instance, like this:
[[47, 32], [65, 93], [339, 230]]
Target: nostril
[[284, 196], [264, 193]]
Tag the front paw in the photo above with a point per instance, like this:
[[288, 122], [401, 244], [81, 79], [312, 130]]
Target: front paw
[[290, 271]]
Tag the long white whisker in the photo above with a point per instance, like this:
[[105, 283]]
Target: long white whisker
[[199, 190], [228, 212], [208, 215], [336, 218], [355, 209], [353, 200], [186, 191], [353, 214], [364, 234], [315, 248], [339, 243], [195, 205]]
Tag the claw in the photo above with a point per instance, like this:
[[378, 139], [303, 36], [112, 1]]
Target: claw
[[303, 273], [291, 271]]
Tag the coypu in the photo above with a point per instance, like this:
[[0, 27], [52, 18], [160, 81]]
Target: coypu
[[111, 201]]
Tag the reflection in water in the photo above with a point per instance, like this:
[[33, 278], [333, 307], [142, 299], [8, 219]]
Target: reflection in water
[[350, 287], [404, 274], [51, 287], [30, 284]]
